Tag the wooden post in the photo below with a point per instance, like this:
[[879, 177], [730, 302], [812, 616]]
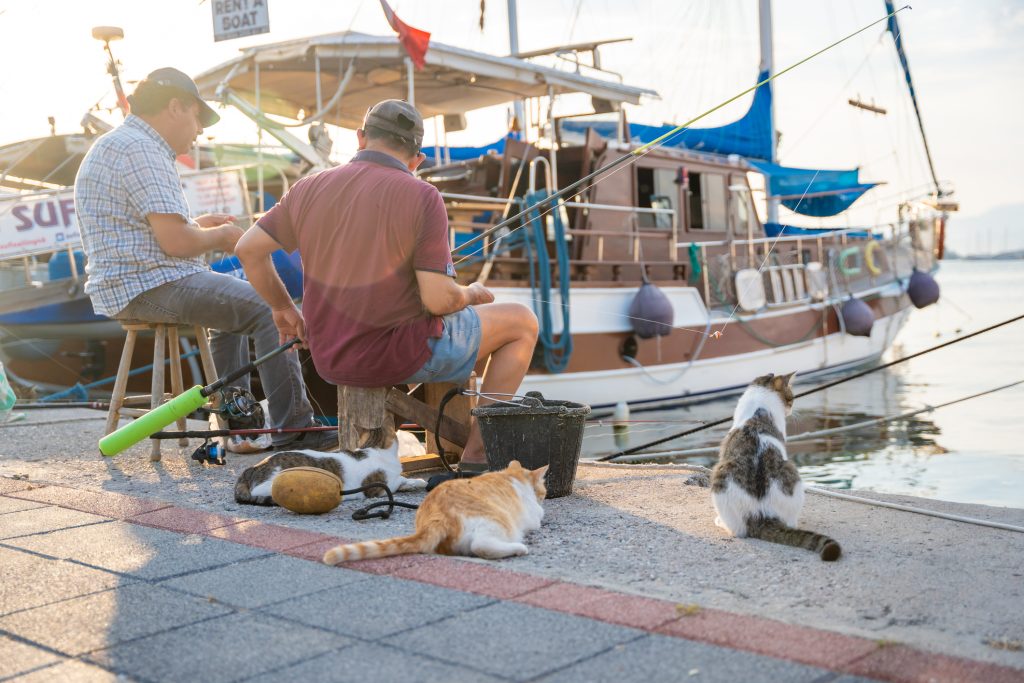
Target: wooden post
[[361, 410]]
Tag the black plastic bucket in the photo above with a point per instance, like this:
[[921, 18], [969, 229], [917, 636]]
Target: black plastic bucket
[[536, 432]]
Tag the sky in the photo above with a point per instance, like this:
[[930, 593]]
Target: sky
[[967, 60]]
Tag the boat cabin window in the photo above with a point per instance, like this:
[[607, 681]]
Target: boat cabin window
[[656, 188], [707, 202], [745, 215]]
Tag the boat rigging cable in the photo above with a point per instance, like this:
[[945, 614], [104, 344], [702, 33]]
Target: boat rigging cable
[[807, 436], [633, 155], [856, 375]]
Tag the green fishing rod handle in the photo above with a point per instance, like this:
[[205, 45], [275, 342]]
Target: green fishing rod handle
[[152, 422]]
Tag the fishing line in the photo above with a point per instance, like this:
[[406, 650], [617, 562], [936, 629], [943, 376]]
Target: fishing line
[[644, 149], [715, 423], [817, 434]]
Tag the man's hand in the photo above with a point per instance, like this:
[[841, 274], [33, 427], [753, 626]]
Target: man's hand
[[212, 220], [290, 324], [229, 235], [478, 294]]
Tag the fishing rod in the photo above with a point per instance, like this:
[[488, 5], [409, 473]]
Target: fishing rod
[[856, 375], [647, 147], [178, 407]]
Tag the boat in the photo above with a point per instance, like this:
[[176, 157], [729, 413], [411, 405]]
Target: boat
[[737, 295], [745, 295]]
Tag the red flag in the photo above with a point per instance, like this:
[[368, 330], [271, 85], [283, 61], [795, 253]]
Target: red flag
[[413, 40]]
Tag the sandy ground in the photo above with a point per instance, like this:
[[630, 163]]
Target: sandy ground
[[941, 585]]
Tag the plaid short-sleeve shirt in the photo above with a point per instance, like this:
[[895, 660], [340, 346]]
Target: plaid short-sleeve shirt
[[127, 174]]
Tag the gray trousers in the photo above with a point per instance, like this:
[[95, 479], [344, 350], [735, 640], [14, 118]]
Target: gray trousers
[[234, 313]]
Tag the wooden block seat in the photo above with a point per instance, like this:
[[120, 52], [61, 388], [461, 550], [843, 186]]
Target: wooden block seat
[[366, 417], [166, 345]]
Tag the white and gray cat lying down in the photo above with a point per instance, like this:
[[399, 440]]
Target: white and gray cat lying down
[[361, 467]]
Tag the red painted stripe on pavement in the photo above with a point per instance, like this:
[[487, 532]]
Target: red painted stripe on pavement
[[806, 645]]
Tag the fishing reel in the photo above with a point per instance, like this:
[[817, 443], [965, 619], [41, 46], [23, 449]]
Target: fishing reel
[[240, 408], [210, 453]]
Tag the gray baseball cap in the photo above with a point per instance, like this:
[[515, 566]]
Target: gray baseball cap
[[397, 117], [170, 77]]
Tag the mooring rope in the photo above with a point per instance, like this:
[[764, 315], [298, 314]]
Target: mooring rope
[[828, 385]]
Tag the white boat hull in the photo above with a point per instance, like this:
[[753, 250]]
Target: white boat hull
[[702, 379]]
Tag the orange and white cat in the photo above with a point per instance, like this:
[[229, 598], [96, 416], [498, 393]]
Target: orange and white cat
[[486, 516]]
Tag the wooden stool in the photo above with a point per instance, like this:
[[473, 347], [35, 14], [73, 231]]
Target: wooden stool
[[165, 343], [367, 417]]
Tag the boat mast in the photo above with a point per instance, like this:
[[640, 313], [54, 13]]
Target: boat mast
[[894, 29], [513, 49], [767, 66]]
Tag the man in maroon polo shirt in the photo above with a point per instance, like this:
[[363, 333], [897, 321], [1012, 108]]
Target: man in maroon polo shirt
[[380, 303]]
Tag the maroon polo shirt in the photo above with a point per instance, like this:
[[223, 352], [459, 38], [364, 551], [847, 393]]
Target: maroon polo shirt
[[362, 231]]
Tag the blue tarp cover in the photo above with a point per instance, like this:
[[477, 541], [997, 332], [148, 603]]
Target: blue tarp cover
[[463, 153], [813, 192], [776, 229], [750, 136]]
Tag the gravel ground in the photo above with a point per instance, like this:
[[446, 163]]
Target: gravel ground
[[945, 586]]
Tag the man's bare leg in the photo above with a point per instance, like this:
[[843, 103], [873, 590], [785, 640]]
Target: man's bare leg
[[508, 336]]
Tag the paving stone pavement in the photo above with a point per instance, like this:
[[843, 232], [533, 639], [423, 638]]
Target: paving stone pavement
[[125, 589]]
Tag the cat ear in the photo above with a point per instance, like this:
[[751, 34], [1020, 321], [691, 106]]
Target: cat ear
[[789, 378], [538, 474], [514, 465]]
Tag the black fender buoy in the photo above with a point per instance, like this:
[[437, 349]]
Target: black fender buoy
[[858, 317], [923, 290], [651, 312]]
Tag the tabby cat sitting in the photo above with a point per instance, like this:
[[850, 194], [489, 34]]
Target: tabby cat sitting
[[486, 516], [755, 487], [361, 467]]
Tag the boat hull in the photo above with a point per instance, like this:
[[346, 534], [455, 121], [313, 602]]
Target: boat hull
[[691, 371]]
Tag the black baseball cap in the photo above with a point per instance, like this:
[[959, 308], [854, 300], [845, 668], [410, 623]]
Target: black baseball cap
[[170, 77], [397, 117]]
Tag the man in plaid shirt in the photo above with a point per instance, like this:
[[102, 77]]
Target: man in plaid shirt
[[146, 251]]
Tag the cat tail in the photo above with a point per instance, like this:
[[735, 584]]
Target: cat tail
[[775, 531], [425, 541]]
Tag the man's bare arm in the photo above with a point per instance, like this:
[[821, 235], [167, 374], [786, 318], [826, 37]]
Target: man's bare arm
[[254, 250], [441, 295], [179, 238]]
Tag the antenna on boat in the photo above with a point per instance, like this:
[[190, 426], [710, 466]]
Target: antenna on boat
[[108, 34]]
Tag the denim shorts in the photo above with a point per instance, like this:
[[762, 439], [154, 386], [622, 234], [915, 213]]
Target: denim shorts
[[453, 354]]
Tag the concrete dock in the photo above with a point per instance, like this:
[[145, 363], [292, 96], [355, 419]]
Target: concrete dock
[[123, 569]]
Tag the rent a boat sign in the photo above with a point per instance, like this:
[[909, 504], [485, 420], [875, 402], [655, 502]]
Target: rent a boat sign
[[43, 222]]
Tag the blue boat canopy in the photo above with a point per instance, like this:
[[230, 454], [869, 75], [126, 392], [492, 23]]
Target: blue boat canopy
[[813, 192], [776, 229], [464, 153], [750, 136]]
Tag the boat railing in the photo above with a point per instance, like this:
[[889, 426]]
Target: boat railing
[[794, 275], [633, 232]]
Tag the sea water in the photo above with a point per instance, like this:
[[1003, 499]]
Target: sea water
[[970, 452]]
